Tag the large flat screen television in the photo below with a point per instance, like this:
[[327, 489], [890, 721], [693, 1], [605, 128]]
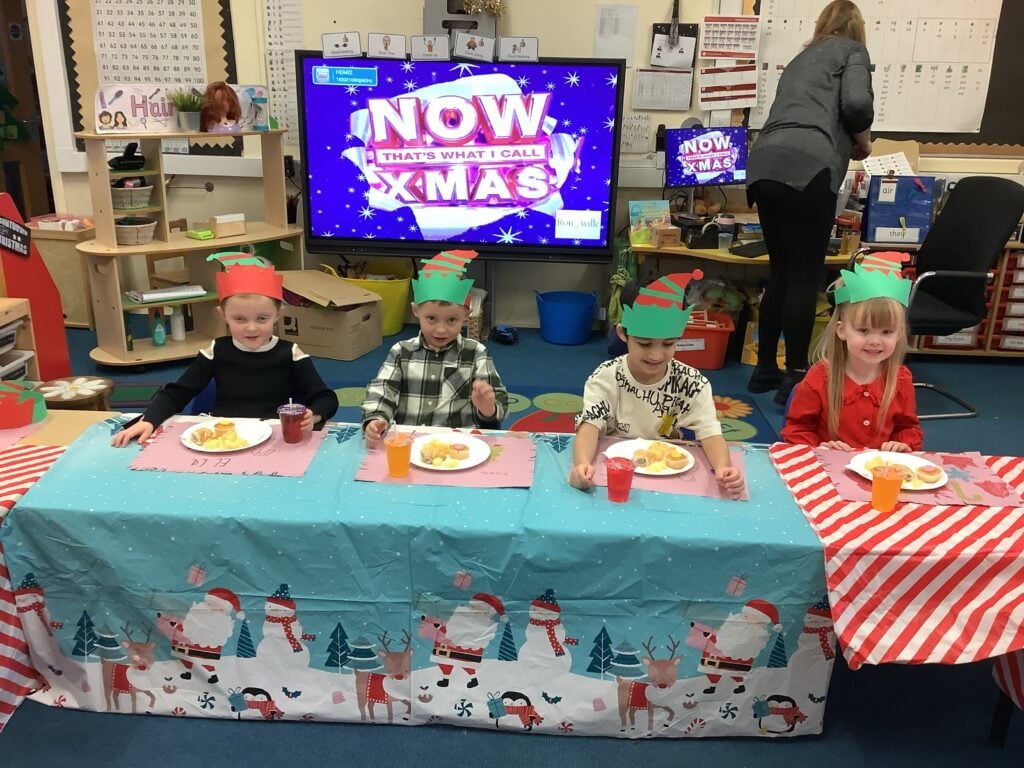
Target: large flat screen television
[[701, 156], [513, 160]]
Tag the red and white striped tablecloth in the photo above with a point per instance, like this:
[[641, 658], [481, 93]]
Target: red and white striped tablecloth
[[925, 584], [20, 467]]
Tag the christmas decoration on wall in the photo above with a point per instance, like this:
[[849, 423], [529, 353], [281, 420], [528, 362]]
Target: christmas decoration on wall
[[494, 7]]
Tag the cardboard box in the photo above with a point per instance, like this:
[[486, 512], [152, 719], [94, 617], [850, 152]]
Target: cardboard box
[[665, 236], [344, 322]]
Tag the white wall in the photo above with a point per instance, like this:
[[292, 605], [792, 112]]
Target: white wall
[[565, 28]]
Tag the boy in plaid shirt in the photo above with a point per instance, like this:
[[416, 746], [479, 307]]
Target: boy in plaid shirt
[[440, 378]]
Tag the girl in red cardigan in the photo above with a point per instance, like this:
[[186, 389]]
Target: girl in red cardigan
[[859, 394]]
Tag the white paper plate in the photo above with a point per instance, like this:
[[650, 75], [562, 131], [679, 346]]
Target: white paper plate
[[858, 464], [626, 449], [253, 431], [479, 451]]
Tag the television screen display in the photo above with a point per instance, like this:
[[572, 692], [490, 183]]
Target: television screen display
[[509, 159], [699, 156]]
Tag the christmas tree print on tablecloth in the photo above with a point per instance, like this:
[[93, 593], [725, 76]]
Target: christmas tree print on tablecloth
[[245, 649], [778, 658], [362, 656], [507, 650], [601, 655], [558, 442], [107, 647], [85, 638], [338, 651], [626, 662]]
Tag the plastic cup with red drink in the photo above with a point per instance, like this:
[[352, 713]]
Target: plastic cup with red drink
[[620, 478], [291, 416]]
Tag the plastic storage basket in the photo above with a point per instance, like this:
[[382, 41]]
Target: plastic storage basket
[[565, 316], [394, 294], [134, 230]]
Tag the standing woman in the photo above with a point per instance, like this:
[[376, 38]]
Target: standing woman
[[820, 119]]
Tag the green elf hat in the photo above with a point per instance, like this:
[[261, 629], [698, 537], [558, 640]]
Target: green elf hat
[[658, 311], [441, 278], [878, 276], [246, 273]]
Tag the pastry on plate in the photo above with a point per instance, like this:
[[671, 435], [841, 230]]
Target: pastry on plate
[[458, 451], [201, 435], [929, 473], [677, 459], [641, 457], [223, 426], [906, 472]]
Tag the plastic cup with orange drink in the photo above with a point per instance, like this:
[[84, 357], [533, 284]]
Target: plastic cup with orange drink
[[886, 483], [398, 448]]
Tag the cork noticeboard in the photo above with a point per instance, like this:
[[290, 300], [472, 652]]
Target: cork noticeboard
[[168, 42]]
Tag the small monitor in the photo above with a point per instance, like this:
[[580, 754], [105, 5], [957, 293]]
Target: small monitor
[[700, 156]]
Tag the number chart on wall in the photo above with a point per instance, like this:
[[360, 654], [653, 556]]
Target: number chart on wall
[[157, 41], [165, 42], [932, 58]]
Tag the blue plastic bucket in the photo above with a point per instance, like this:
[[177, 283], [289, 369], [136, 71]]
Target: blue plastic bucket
[[565, 316]]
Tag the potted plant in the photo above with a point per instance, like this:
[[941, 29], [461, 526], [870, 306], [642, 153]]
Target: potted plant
[[189, 103]]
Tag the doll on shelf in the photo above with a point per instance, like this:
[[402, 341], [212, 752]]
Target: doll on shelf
[[221, 111]]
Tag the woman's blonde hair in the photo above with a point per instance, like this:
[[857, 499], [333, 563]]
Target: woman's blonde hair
[[840, 18], [874, 313]]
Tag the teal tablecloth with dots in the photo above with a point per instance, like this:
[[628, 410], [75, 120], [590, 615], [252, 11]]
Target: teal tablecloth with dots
[[323, 598]]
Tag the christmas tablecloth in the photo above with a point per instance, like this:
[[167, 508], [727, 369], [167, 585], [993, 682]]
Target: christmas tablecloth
[[20, 467], [323, 598], [926, 583]]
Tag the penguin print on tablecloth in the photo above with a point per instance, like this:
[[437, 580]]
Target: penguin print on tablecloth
[[513, 705], [777, 714]]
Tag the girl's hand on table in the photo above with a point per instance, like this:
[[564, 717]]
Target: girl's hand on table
[[142, 430], [582, 476], [896, 446], [836, 445]]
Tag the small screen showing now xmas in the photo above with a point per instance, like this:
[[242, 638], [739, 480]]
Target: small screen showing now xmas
[[698, 156]]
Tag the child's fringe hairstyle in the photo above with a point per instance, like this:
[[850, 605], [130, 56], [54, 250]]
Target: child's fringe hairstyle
[[874, 313]]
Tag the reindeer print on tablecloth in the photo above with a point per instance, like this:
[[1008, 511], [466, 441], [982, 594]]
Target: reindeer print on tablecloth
[[636, 697], [117, 674], [394, 684]]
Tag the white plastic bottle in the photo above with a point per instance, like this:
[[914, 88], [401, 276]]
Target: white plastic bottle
[[177, 324]]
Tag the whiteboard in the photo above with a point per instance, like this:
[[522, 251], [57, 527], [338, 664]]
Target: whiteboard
[[932, 59]]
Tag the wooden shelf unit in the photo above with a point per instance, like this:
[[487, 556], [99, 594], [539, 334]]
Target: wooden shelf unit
[[102, 255], [11, 310]]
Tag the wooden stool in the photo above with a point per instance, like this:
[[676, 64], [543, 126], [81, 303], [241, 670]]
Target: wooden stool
[[77, 393]]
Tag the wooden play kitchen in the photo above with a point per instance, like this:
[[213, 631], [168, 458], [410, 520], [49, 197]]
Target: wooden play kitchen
[[103, 255]]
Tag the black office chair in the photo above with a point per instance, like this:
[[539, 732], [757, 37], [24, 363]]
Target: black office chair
[[954, 265]]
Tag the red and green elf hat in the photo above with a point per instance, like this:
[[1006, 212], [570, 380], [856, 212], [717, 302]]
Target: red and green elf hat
[[879, 275], [245, 273], [441, 278], [658, 311]]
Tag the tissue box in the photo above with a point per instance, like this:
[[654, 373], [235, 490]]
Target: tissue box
[[227, 225], [666, 236]]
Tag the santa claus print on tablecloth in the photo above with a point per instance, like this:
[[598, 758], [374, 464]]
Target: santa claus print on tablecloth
[[462, 639], [283, 638], [200, 636], [547, 645], [732, 648]]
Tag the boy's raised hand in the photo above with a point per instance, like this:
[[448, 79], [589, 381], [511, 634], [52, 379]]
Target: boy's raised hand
[[730, 480], [142, 430], [582, 476], [483, 398], [374, 432]]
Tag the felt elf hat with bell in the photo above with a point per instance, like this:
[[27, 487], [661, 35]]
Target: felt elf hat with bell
[[658, 310], [245, 273], [441, 278], [878, 276]]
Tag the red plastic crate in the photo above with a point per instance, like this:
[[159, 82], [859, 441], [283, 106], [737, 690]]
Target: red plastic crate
[[705, 340]]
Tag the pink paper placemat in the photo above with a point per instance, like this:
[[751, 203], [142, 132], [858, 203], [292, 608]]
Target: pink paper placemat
[[970, 481], [165, 453], [694, 482], [9, 437], [510, 466]]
